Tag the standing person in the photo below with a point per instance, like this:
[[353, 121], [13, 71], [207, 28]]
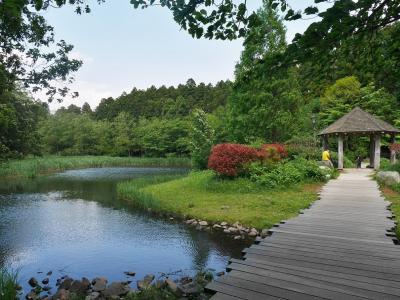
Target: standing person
[[358, 161], [326, 158]]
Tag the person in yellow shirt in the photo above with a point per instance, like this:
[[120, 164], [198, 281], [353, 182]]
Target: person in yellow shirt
[[326, 157]]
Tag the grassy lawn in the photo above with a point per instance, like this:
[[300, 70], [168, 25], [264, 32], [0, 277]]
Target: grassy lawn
[[200, 195], [31, 167], [394, 198]]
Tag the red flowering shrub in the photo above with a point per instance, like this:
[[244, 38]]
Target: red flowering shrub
[[229, 159], [395, 147], [279, 148]]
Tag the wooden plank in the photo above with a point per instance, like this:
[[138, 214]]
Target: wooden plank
[[323, 266], [373, 290], [308, 286], [359, 260], [330, 251], [299, 240], [221, 296], [335, 237], [288, 267], [239, 292], [268, 287]]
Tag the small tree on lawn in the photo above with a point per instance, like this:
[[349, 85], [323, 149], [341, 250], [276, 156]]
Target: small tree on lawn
[[202, 138]]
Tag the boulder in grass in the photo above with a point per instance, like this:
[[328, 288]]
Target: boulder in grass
[[99, 284], [388, 177], [116, 289]]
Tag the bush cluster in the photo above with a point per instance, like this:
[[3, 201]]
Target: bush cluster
[[288, 173], [265, 165], [275, 149], [230, 159]]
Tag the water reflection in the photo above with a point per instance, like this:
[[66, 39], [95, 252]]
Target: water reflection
[[73, 223]]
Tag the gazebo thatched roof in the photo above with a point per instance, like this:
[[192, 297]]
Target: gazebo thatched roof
[[361, 122]]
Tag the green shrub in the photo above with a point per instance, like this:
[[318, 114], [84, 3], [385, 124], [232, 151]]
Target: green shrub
[[288, 173], [389, 167]]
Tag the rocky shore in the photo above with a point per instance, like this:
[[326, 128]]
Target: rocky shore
[[100, 289], [236, 230]]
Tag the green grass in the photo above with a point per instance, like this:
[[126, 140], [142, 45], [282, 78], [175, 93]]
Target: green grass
[[32, 167], [393, 195], [8, 285], [201, 195]]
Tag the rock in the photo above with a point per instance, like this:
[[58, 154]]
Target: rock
[[264, 232], [217, 226], [252, 233], [233, 229], [93, 296], [199, 227], [388, 177], [46, 288], [33, 282], [149, 278], [65, 284], [160, 284], [99, 284], [236, 224], [62, 294], [130, 273], [31, 296], [146, 282], [219, 274], [86, 282], [49, 273], [226, 231], [254, 230], [171, 285], [194, 223], [189, 289], [325, 163], [237, 237], [80, 287], [45, 281], [116, 289], [185, 280], [203, 223], [224, 223]]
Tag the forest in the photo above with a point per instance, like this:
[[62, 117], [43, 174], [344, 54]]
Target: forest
[[266, 103]]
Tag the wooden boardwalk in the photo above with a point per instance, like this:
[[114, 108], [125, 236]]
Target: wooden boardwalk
[[340, 248]]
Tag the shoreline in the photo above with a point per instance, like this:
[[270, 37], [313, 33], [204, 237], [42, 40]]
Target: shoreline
[[41, 166]]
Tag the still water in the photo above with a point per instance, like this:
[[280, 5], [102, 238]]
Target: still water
[[72, 223]]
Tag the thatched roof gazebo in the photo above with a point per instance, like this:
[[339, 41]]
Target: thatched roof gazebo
[[359, 122]]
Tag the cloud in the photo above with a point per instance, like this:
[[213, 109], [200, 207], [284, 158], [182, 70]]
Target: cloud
[[81, 56]]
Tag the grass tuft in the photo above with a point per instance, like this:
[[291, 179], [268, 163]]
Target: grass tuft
[[8, 284]]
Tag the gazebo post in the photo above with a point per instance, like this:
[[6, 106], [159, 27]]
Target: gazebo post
[[340, 152], [392, 152], [377, 152], [371, 151], [324, 142]]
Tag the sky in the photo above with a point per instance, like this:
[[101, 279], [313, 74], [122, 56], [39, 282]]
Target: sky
[[122, 48]]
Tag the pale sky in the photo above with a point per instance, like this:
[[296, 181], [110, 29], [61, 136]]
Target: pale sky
[[124, 48]]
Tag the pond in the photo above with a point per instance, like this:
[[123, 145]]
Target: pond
[[72, 223]]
